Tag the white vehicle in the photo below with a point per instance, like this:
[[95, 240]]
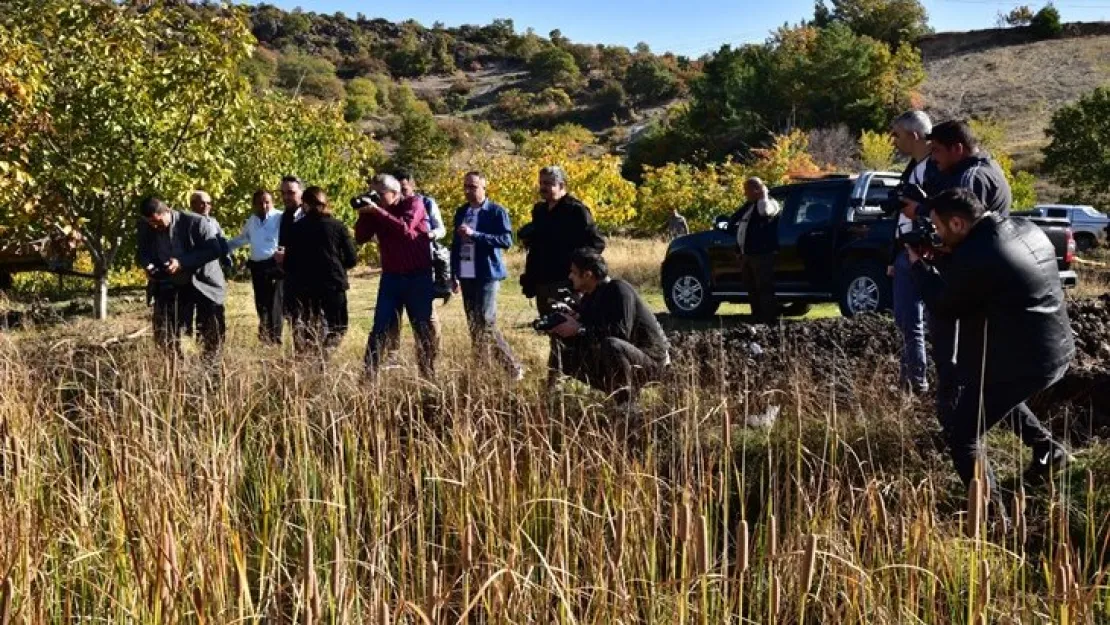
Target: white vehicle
[[1088, 224]]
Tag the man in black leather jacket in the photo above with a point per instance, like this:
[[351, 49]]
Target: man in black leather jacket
[[1001, 282]]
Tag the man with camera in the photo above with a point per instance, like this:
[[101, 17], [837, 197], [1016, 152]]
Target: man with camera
[[441, 257], [180, 253], [560, 224], [1001, 283], [909, 131], [611, 340], [401, 228], [482, 233], [961, 164]]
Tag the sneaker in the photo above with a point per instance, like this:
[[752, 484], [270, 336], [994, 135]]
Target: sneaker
[[1046, 463]]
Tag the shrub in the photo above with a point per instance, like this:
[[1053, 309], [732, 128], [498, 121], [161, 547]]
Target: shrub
[[876, 150], [362, 99], [1046, 23]]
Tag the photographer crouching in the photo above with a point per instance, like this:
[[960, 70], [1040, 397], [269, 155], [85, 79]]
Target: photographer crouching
[[1000, 282], [610, 339]]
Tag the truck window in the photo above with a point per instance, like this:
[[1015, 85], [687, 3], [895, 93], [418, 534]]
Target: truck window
[[812, 207], [1057, 212]]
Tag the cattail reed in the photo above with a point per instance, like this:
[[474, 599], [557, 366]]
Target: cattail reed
[[809, 563], [974, 508], [742, 547]]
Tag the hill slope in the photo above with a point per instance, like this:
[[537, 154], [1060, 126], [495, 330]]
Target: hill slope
[[1020, 85]]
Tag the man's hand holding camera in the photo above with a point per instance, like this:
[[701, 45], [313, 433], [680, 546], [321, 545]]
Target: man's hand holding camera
[[169, 268], [570, 327]]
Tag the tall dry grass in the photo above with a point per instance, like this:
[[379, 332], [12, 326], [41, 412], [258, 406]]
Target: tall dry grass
[[282, 490]]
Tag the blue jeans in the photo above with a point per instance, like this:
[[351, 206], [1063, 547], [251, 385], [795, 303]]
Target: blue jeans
[[412, 292], [909, 316], [480, 304]]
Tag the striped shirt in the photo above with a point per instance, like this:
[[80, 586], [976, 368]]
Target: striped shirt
[[402, 232]]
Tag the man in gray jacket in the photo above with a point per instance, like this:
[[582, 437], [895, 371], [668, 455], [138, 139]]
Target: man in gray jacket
[[180, 253]]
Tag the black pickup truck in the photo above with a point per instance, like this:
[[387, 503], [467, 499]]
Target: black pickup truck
[[834, 246]]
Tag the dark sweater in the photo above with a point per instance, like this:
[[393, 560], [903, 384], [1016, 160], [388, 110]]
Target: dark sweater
[[555, 233], [320, 251], [614, 309], [983, 176]]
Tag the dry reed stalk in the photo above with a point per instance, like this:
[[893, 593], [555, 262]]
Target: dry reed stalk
[[701, 545], [974, 508], [776, 597], [311, 589], [984, 591], [6, 593], [809, 563], [339, 581], [772, 538], [742, 547]]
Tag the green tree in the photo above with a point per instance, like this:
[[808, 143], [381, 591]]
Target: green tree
[[362, 99], [129, 121], [422, 146], [556, 67], [1019, 16], [648, 81], [1078, 155], [891, 21], [260, 68], [309, 75], [876, 150], [1046, 23]]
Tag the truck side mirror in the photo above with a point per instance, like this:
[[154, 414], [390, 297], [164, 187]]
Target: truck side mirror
[[721, 222]]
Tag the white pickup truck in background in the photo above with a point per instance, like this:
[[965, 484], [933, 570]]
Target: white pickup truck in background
[[1087, 224]]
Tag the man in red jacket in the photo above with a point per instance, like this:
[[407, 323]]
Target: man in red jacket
[[401, 227]]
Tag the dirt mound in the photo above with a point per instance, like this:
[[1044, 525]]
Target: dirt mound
[[862, 352]]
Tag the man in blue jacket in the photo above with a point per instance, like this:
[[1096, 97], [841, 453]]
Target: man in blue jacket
[[482, 232]]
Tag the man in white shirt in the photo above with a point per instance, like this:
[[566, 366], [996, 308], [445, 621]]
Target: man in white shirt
[[757, 237], [261, 232], [909, 131]]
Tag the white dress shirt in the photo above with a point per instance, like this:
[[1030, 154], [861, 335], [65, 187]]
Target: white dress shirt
[[260, 234]]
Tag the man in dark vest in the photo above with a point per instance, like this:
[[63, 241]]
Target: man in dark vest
[[756, 226]]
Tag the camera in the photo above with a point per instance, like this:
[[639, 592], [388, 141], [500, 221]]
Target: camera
[[362, 201], [157, 272], [565, 303], [899, 194]]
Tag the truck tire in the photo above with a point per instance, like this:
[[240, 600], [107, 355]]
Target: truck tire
[[1085, 241], [865, 288], [687, 293]]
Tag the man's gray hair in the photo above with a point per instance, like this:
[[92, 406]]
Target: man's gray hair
[[558, 174], [387, 182], [917, 122], [754, 181]]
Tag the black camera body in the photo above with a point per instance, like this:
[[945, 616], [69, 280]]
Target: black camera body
[[565, 304], [892, 205], [363, 201], [157, 273]]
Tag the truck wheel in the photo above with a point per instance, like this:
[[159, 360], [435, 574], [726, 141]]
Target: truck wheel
[[1085, 241], [687, 293], [865, 288]]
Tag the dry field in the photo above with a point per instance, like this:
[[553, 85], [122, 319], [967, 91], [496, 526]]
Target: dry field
[[279, 489]]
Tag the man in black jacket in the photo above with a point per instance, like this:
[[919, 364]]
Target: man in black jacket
[[961, 164], [320, 253], [560, 224], [757, 237], [180, 253], [1001, 283], [613, 343]]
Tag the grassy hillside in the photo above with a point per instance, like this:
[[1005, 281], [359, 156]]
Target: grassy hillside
[[1019, 85]]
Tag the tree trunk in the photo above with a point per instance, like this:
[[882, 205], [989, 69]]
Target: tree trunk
[[100, 303]]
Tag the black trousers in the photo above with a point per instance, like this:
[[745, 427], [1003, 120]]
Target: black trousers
[[612, 365], [266, 279], [758, 273], [968, 419], [176, 305], [320, 319]]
